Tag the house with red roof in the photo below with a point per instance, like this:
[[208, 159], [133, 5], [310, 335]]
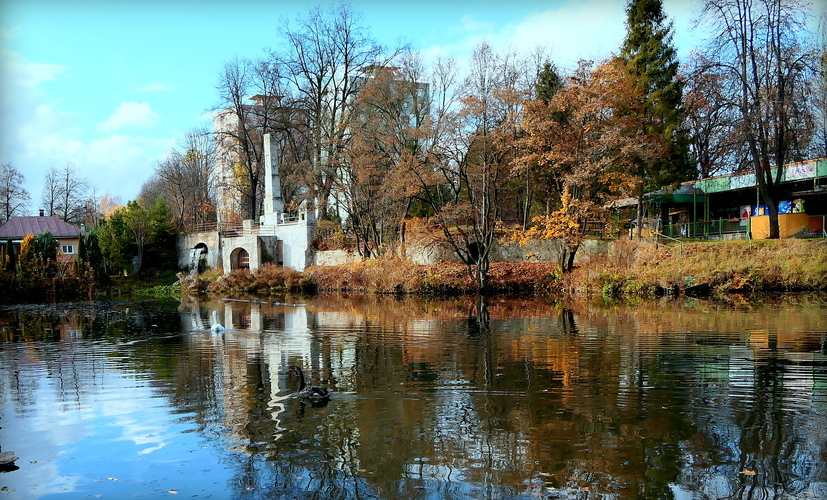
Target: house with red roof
[[18, 228]]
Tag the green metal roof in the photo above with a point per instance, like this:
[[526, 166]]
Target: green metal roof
[[809, 169], [684, 194]]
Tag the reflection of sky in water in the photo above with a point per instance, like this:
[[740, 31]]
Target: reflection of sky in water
[[423, 407], [119, 437]]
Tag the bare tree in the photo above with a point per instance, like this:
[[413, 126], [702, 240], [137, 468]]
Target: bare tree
[[51, 196], [387, 127], [92, 216], [711, 120], [464, 179], [760, 48], [819, 93], [14, 199], [324, 55], [183, 179], [74, 191], [250, 94], [65, 194]]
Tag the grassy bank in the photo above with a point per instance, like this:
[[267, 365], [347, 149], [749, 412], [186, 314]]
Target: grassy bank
[[630, 268], [704, 268]]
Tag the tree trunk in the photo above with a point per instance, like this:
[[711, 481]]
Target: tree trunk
[[639, 211]]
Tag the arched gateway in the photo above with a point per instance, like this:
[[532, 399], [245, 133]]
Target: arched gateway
[[276, 237], [239, 259]]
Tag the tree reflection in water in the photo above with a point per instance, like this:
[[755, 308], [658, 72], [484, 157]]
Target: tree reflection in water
[[474, 398]]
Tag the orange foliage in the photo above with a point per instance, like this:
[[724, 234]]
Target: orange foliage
[[586, 142]]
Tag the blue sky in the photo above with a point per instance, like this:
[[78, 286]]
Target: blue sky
[[111, 86]]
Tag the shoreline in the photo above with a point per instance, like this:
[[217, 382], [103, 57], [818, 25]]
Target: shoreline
[[637, 269], [629, 269]]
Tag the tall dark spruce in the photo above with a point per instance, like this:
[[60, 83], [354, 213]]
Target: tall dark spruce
[[652, 61]]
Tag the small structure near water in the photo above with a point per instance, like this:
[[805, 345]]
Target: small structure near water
[[17, 228], [278, 237]]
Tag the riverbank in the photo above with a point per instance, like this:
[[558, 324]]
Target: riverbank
[[627, 269], [633, 268]]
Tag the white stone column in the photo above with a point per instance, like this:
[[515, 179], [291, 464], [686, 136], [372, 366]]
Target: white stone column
[[273, 203]]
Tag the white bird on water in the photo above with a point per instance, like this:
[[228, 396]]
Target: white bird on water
[[216, 326]]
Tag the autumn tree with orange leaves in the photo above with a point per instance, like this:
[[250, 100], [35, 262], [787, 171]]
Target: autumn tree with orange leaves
[[389, 132], [587, 138]]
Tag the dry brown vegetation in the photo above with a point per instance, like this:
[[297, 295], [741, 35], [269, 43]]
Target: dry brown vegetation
[[269, 279], [401, 276], [644, 269], [629, 269]]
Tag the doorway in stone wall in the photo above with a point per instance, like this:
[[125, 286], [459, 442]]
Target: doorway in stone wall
[[239, 259]]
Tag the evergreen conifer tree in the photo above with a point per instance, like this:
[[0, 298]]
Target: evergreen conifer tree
[[94, 255], [652, 61], [549, 82]]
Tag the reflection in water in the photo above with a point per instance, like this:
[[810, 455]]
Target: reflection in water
[[476, 398]]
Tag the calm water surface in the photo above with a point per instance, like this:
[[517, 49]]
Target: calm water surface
[[492, 399]]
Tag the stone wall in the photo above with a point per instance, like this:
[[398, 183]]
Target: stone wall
[[533, 251], [296, 237], [504, 251], [335, 258], [265, 249]]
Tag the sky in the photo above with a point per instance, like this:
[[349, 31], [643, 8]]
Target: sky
[[109, 87]]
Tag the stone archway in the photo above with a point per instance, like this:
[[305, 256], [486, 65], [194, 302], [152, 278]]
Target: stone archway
[[199, 251], [198, 257], [239, 259]]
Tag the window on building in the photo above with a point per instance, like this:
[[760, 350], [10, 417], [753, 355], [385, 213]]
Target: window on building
[[67, 249]]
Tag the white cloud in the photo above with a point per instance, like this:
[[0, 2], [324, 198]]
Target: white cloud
[[130, 114], [116, 163], [19, 95], [9, 34], [569, 31], [580, 30], [39, 134], [33, 74], [468, 24]]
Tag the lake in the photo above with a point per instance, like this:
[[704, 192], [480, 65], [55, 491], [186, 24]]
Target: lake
[[433, 399]]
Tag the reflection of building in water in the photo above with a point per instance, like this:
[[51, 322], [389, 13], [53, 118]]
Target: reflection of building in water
[[260, 344], [529, 390]]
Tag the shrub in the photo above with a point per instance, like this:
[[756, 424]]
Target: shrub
[[268, 279]]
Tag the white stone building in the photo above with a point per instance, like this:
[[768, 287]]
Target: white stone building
[[277, 238]]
